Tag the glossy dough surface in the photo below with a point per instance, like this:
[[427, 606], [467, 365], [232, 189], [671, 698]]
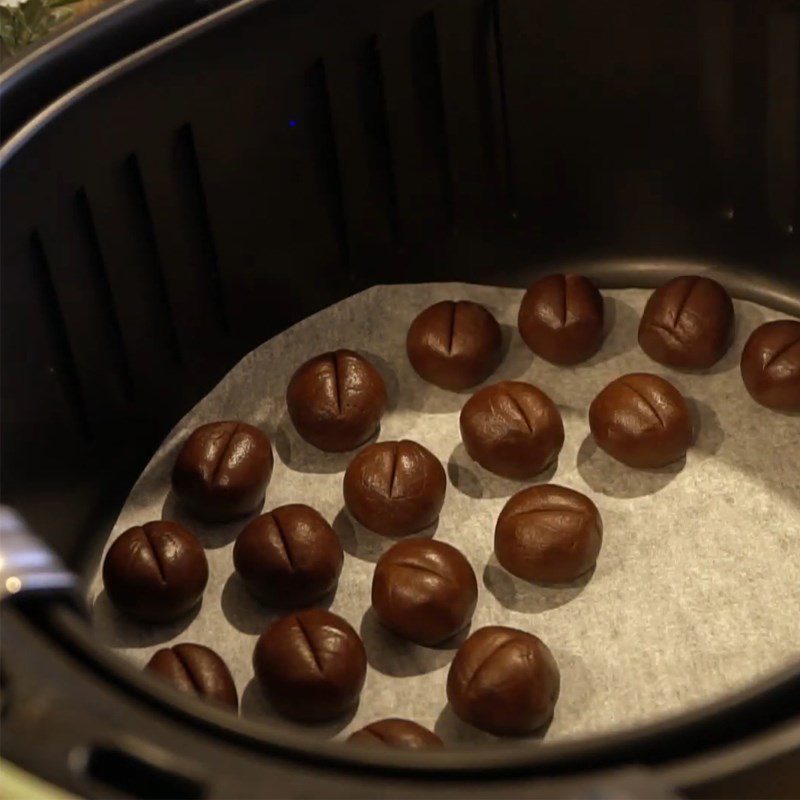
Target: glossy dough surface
[[155, 572], [687, 323], [641, 420], [424, 590], [548, 534], [395, 488], [454, 345], [222, 470], [771, 365], [289, 557], [394, 732], [561, 318], [197, 670], [504, 681], [336, 400], [311, 665], [512, 429]]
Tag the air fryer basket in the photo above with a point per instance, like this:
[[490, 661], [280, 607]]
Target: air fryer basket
[[170, 213]]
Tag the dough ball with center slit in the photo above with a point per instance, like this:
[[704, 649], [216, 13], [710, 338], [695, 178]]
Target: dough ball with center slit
[[155, 572], [454, 345], [222, 470], [548, 534], [561, 318], [336, 400], [401, 733], [771, 365], [503, 681], [687, 323], [289, 557], [311, 665], [424, 591], [512, 429], [196, 670], [395, 488], [641, 420]]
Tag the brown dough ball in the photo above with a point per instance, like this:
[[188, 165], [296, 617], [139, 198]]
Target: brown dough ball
[[289, 557], [222, 471], [512, 429], [311, 665], [424, 591], [548, 534], [687, 323], [155, 572], [454, 345], [395, 488], [641, 420], [771, 365], [561, 318], [197, 670], [336, 400], [504, 681], [400, 733]]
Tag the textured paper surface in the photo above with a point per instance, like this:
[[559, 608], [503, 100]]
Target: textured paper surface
[[697, 587]]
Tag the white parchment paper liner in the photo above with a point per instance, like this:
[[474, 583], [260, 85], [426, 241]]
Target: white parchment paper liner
[[697, 588]]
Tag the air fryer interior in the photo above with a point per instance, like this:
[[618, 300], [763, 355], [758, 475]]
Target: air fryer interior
[[176, 210]]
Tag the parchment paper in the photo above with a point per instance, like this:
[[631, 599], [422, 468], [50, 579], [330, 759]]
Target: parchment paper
[[697, 587]]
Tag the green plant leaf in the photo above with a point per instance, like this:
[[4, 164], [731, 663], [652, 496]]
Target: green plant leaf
[[29, 21]]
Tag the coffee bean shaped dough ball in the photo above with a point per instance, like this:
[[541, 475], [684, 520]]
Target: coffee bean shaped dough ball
[[155, 572], [336, 400], [561, 318], [641, 420], [512, 429], [196, 670], [311, 665], [395, 488], [771, 365], [424, 591], [222, 471], [503, 681], [454, 345], [548, 534], [401, 733], [687, 323], [289, 557]]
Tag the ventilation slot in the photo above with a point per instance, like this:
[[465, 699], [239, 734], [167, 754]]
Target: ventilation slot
[[64, 366], [188, 166], [750, 46], [427, 77], [783, 120], [465, 49], [415, 122], [134, 178], [378, 128], [507, 163], [88, 234], [329, 171]]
